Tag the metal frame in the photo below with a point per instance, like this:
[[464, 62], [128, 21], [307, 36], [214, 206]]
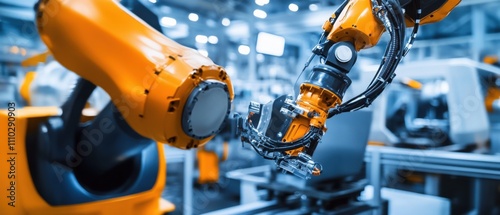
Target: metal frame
[[429, 161], [174, 155], [250, 203]]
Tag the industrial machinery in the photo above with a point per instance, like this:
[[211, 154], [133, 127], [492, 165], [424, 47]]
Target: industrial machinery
[[438, 110], [160, 91], [335, 191], [439, 117], [492, 103], [288, 130], [446, 107], [164, 92]]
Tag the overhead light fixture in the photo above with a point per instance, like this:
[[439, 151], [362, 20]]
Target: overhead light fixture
[[165, 9], [293, 7], [260, 58], [313, 7], [193, 17], [260, 13], [201, 39], [231, 70], [152, 1], [23, 51], [14, 50], [270, 44], [226, 22], [213, 39], [211, 23], [181, 31], [168, 22], [244, 49], [261, 2], [203, 52]]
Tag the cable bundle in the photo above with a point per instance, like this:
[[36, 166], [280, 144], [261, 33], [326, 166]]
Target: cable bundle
[[269, 145], [391, 15]]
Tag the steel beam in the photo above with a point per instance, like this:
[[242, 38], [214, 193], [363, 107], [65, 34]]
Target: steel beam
[[440, 162]]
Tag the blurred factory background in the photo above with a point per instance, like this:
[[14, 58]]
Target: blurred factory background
[[438, 123]]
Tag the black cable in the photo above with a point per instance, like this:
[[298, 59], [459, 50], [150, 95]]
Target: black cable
[[279, 146], [397, 39], [378, 74], [270, 145], [391, 59], [415, 27], [261, 154]]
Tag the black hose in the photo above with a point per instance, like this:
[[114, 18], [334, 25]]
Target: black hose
[[416, 26], [270, 145], [391, 59]]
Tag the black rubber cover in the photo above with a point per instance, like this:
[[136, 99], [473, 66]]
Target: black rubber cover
[[72, 163], [329, 78]]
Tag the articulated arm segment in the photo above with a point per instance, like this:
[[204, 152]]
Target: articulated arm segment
[[161, 88], [356, 25], [288, 130]]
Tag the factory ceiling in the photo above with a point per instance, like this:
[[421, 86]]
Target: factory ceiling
[[240, 17]]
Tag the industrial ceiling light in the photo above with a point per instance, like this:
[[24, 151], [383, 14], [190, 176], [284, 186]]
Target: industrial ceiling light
[[201, 39], [211, 23], [260, 58], [226, 22], [270, 44], [261, 2], [213, 39], [244, 49], [193, 17], [313, 7], [260, 13], [293, 7], [168, 22]]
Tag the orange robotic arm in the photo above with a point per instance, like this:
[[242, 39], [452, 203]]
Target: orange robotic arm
[[288, 130], [165, 91]]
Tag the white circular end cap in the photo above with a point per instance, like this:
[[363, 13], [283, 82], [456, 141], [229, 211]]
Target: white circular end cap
[[343, 54]]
